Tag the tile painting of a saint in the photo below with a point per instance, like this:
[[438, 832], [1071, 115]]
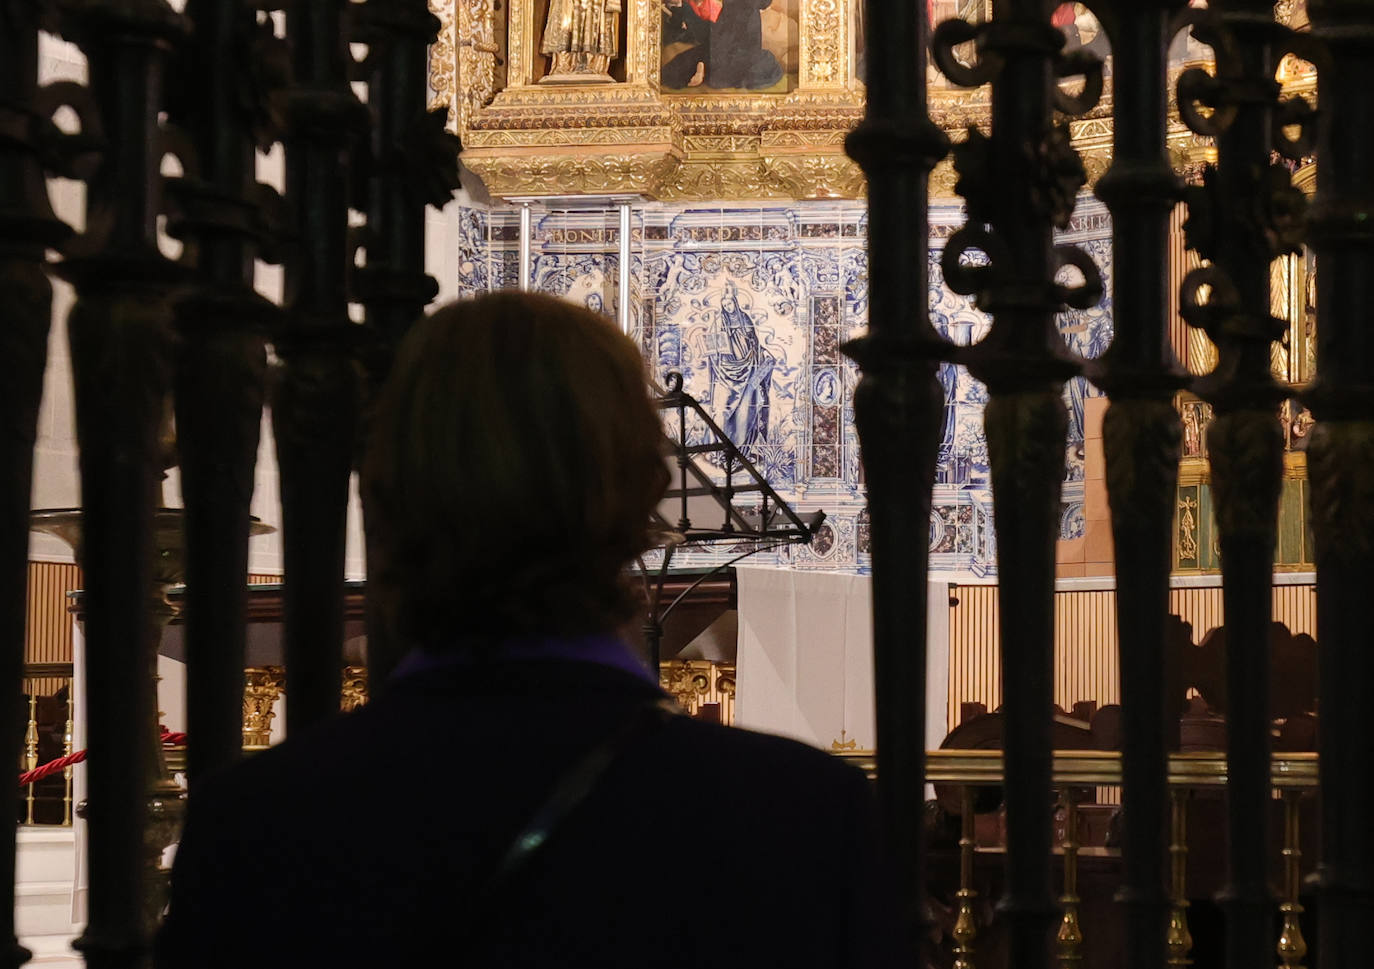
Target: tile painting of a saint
[[741, 367]]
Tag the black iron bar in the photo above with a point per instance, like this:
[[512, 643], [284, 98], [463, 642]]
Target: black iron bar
[[27, 228], [735, 459], [412, 163], [898, 406], [220, 370], [1244, 215], [1019, 185], [1341, 465], [119, 331], [683, 522], [1142, 436], [315, 396]]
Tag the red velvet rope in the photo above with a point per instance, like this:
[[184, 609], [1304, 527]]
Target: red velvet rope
[[77, 756], [51, 767]]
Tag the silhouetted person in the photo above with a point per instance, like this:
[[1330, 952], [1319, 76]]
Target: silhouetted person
[[517, 795]]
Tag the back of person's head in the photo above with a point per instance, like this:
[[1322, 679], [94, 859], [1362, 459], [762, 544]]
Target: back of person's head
[[513, 460]]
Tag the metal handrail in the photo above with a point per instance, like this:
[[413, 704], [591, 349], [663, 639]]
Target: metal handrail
[[1089, 768]]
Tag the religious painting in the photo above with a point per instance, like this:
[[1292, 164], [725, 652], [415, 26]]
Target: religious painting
[[937, 12], [730, 46], [1186, 50], [1081, 29]]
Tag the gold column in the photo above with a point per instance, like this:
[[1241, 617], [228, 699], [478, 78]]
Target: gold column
[[1179, 941], [1292, 947], [965, 928], [1070, 938], [31, 751], [261, 687]]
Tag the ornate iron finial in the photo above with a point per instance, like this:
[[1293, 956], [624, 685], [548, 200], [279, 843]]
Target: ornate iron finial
[[899, 401], [409, 161], [1243, 215], [1341, 466], [1020, 183]]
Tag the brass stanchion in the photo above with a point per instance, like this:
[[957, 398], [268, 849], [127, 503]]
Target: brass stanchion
[[1292, 947], [31, 752], [1070, 938], [1179, 941], [67, 746], [965, 928]]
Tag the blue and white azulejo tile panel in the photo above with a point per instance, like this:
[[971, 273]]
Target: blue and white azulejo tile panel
[[752, 305]]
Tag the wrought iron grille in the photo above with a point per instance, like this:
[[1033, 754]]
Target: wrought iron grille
[[211, 84]]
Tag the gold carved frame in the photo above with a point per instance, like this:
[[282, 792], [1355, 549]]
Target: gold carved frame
[[524, 139], [629, 138]]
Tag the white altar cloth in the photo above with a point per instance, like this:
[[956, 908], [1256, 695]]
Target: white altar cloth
[[805, 663]]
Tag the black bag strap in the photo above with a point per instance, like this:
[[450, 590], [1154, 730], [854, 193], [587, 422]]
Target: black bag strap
[[573, 788]]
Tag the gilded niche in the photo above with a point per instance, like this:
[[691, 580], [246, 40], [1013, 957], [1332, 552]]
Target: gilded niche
[[715, 99], [664, 99], [581, 38]]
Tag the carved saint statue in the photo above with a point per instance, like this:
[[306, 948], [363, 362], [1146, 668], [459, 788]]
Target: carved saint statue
[[581, 38]]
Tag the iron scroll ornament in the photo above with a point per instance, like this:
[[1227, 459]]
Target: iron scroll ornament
[[1020, 183], [1271, 220], [977, 261], [992, 37]]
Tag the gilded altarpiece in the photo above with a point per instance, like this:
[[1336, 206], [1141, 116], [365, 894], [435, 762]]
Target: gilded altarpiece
[[538, 120], [748, 210]]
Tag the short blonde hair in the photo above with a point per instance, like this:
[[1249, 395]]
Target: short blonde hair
[[512, 463]]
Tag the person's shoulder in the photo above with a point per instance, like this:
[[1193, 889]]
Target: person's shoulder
[[750, 750], [301, 761]]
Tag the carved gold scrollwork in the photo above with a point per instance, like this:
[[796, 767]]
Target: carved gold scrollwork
[[693, 683], [477, 52], [354, 693], [535, 174], [443, 63], [261, 688], [1187, 528], [810, 176], [824, 47]]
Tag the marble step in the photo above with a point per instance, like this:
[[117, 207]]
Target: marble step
[[45, 854], [52, 952], [43, 908]]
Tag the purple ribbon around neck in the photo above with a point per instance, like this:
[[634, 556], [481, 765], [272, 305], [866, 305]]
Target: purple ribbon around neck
[[603, 650]]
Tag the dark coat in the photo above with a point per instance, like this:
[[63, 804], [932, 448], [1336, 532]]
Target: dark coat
[[737, 55], [367, 842]]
